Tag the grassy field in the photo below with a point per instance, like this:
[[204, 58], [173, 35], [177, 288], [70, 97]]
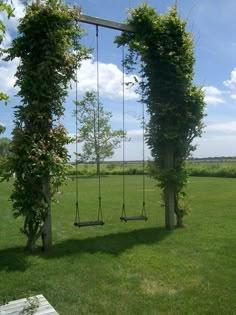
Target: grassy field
[[221, 168], [203, 168], [128, 268], [110, 168]]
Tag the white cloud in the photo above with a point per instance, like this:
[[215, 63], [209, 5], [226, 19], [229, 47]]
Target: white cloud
[[110, 80], [135, 132], [6, 41], [213, 95], [232, 82], [7, 76], [222, 128], [211, 90], [110, 76], [130, 118], [12, 23], [218, 140], [217, 145], [133, 151], [8, 69], [213, 100]]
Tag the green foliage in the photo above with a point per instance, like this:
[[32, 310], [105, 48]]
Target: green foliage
[[95, 132], [174, 103], [5, 7], [4, 146], [2, 129], [4, 97], [4, 151], [49, 50]]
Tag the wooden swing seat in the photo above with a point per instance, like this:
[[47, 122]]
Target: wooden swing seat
[[133, 218], [89, 223]]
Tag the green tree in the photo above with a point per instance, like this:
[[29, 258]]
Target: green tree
[[4, 151], [49, 49], [2, 129], [94, 130], [4, 146], [174, 103]]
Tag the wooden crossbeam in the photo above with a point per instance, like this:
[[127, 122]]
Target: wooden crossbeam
[[106, 23]]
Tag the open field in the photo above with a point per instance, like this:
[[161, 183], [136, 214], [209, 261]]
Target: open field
[[128, 268], [203, 168], [212, 168], [110, 168]]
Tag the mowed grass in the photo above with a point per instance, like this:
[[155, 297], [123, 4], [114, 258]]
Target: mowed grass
[[128, 268]]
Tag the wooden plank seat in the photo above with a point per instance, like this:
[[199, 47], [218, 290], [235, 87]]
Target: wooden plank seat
[[24, 306], [89, 223], [133, 218]]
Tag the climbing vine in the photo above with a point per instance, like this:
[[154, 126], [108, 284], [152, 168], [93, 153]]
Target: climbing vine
[[49, 51], [175, 104]]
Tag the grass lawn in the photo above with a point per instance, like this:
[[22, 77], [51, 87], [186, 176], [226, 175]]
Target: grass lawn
[[128, 268]]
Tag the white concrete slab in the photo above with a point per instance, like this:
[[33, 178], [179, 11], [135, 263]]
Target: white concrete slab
[[37, 305]]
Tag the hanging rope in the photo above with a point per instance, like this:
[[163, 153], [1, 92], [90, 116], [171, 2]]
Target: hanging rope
[[77, 216], [143, 127], [99, 220], [100, 216], [143, 216], [123, 214]]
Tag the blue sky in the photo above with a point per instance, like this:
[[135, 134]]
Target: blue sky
[[213, 26]]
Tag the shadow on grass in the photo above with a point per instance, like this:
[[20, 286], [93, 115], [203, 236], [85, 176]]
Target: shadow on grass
[[114, 243], [15, 259]]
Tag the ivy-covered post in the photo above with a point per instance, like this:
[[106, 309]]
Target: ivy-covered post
[[49, 51], [169, 191], [47, 227], [174, 103]]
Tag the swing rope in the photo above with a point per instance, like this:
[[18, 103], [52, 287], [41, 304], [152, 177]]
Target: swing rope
[[100, 216], [123, 214], [99, 220], [143, 215], [77, 215], [143, 125]]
